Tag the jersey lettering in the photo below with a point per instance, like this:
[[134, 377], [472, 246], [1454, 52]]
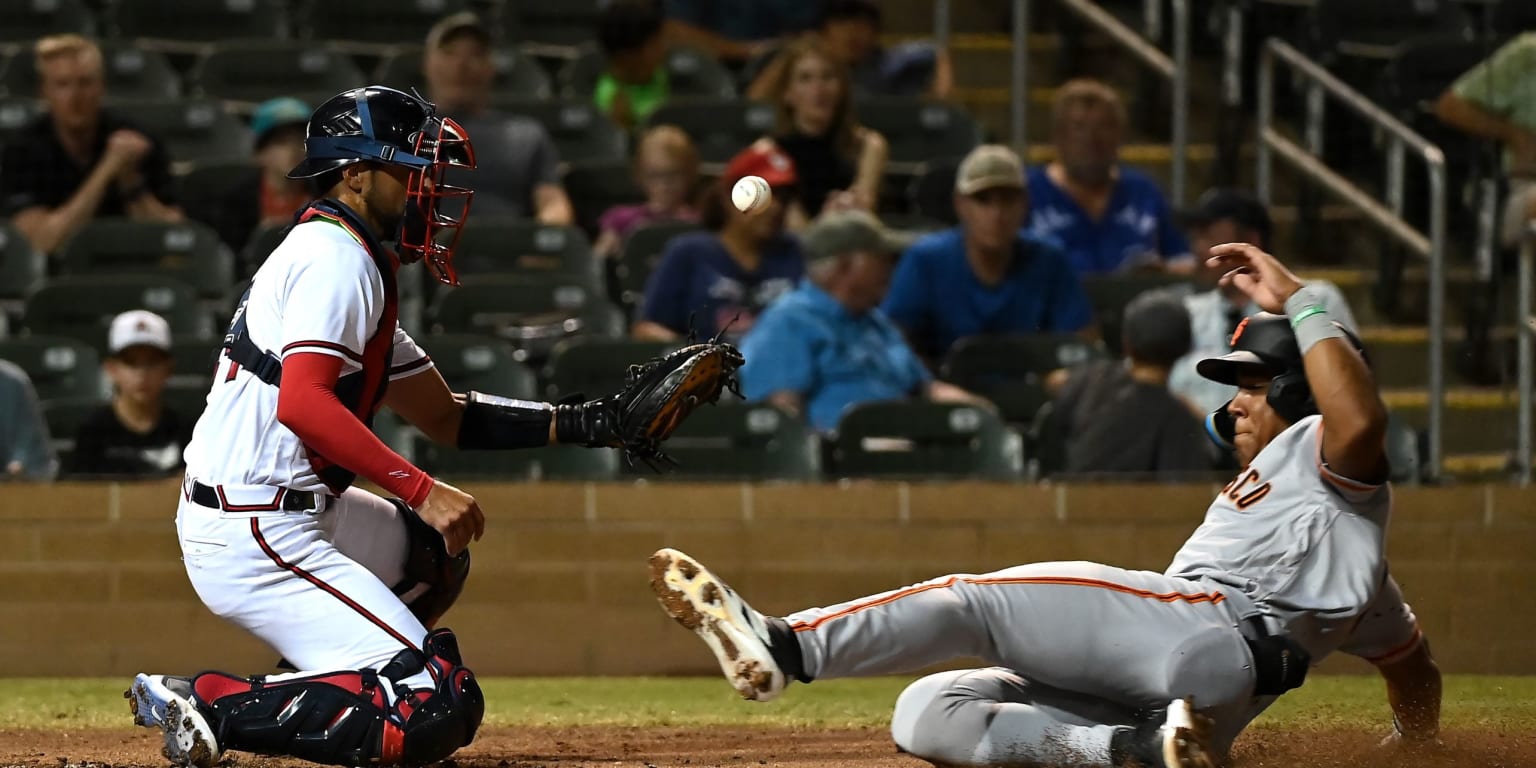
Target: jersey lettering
[[1245, 490]]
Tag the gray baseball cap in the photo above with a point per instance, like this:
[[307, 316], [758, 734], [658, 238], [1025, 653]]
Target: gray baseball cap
[[989, 166], [840, 232]]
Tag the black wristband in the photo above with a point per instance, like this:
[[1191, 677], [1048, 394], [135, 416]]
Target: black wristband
[[593, 424], [501, 423]]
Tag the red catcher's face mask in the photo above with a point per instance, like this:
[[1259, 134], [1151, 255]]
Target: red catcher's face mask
[[426, 233]]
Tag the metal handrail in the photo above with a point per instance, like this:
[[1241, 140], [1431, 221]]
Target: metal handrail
[[1525, 329], [1174, 68], [1308, 162]]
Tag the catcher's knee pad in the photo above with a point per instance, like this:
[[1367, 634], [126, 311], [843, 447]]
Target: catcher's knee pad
[[433, 580], [349, 718]]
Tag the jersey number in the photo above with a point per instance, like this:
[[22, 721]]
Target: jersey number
[[1245, 489]]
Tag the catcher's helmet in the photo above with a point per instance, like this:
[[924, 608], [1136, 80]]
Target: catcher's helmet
[[1264, 344], [382, 125]]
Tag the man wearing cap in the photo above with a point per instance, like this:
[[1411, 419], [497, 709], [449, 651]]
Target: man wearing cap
[[517, 168], [79, 161], [265, 197], [135, 435], [827, 346], [1226, 215], [722, 278], [987, 276]]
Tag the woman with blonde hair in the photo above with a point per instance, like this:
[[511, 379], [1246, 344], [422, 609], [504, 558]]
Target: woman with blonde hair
[[667, 170]]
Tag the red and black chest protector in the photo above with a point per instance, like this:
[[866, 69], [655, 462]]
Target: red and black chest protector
[[360, 391]]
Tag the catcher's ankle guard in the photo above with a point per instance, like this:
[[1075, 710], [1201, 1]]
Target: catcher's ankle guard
[[348, 718], [433, 580], [502, 423]]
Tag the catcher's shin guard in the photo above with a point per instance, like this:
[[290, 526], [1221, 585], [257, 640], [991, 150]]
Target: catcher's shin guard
[[348, 718], [433, 580]]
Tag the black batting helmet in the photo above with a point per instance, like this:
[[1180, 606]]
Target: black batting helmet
[[1265, 345], [382, 125]]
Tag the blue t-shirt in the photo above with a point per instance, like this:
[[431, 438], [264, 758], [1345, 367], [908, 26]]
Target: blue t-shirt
[[698, 277], [1137, 229], [809, 344], [745, 19], [936, 297]]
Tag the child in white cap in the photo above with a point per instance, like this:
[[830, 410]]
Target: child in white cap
[[135, 435]]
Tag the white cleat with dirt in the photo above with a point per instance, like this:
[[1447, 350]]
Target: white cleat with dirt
[[165, 702], [700, 601], [1185, 738]]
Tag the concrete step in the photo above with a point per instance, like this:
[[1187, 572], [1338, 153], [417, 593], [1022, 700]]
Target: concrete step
[[1400, 354], [1477, 420]]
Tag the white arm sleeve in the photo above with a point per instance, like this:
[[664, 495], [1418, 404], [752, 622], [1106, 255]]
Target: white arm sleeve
[[1388, 630]]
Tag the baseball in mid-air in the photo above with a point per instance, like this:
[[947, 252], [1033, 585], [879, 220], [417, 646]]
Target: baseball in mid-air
[[750, 194]]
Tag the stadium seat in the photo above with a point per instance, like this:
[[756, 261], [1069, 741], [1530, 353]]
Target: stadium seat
[[923, 439], [15, 114], [719, 127], [642, 252], [690, 73], [195, 361], [553, 22], [517, 75], [65, 416], [733, 440], [21, 266], [1421, 70], [82, 307], [368, 21], [257, 70], [192, 129], [519, 246], [594, 366], [932, 191], [1011, 370], [481, 364], [578, 129], [262, 243], [912, 223], [131, 73], [919, 130], [1109, 294], [200, 21], [532, 312], [185, 251], [24, 21], [1374, 29], [558, 462], [595, 186], [60, 367]]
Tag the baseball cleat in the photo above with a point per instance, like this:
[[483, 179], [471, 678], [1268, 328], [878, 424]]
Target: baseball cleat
[[738, 635], [165, 702], [1185, 737]]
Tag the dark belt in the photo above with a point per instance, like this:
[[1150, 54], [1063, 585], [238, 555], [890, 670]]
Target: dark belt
[[291, 501], [1279, 663]]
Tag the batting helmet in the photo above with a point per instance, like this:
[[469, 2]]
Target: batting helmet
[[382, 125], [1264, 344]]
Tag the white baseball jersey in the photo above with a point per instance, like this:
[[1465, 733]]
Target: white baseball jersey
[[320, 291]]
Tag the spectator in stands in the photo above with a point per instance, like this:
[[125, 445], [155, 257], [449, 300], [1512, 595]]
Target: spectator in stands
[[1108, 216], [1225, 216], [840, 163], [266, 197], [78, 161], [135, 435], [1497, 100], [827, 346], [988, 275], [26, 452], [635, 82], [724, 277], [736, 30], [517, 166], [849, 30], [667, 168], [1099, 400]]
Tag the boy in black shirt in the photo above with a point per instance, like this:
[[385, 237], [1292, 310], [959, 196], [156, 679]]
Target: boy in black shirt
[[135, 435]]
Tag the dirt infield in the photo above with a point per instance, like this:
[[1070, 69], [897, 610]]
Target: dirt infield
[[616, 747]]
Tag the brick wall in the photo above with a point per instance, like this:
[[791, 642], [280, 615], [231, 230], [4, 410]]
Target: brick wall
[[559, 583]]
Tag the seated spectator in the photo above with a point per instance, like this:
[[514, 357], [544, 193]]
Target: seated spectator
[[736, 30], [1225, 216], [1101, 398], [667, 168], [987, 276], [724, 277], [635, 82], [517, 166], [135, 435], [840, 162], [78, 161], [850, 32], [266, 197], [1108, 216], [1497, 100], [26, 452]]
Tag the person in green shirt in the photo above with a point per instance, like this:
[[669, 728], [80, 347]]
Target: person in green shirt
[[635, 82], [1497, 100]]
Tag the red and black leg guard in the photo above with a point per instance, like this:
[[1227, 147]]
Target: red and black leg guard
[[433, 580], [348, 718]]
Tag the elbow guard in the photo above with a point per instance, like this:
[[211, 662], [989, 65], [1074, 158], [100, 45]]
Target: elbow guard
[[501, 423]]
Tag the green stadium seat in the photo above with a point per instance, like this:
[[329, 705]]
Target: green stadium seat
[[690, 73], [532, 312], [912, 223], [83, 307], [558, 462], [21, 266], [65, 416], [187, 403], [1010, 370], [200, 21], [508, 246], [369, 21], [552, 22], [517, 74], [1110, 293], [595, 186], [195, 361], [263, 242], [719, 127], [481, 364], [24, 21], [642, 252], [185, 251], [578, 130], [192, 129], [60, 367], [919, 130], [15, 114], [736, 441], [131, 73], [257, 70], [932, 191], [596, 366], [921, 439]]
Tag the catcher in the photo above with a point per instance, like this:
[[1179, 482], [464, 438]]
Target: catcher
[[347, 585]]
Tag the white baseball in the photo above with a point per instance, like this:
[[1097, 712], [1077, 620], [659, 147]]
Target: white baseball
[[750, 194]]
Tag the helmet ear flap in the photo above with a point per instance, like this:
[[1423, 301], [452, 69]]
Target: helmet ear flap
[[1291, 397]]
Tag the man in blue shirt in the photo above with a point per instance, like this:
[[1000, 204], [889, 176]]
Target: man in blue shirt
[[987, 276], [826, 346], [1107, 216]]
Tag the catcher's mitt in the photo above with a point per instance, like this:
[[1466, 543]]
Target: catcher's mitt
[[659, 394]]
